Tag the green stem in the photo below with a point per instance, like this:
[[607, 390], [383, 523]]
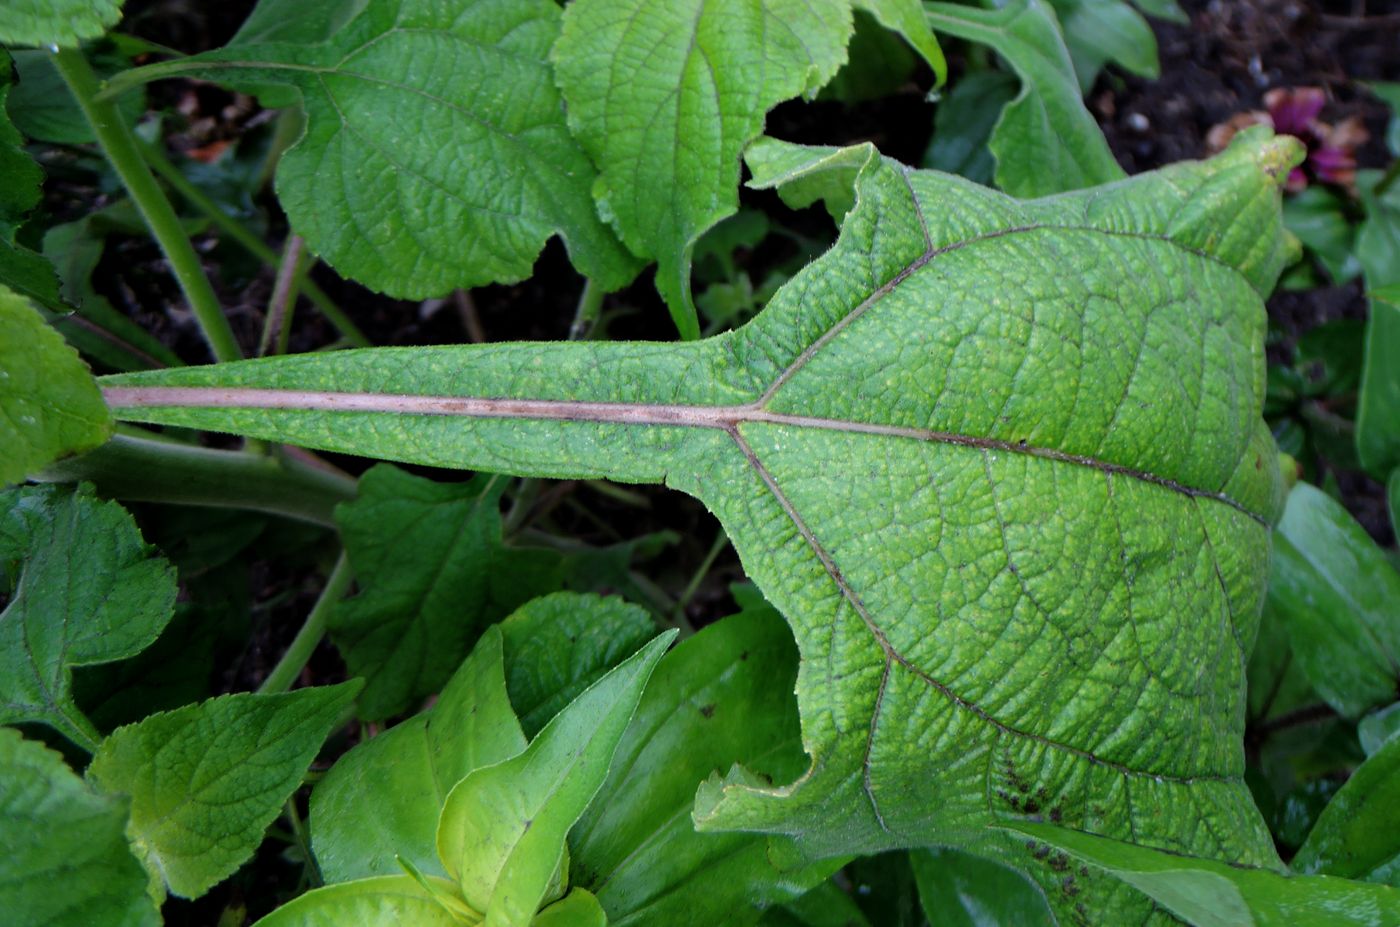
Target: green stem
[[120, 146], [77, 728], [590, 304], [277, 326], [251, 243], [147, 470], [304, 644], [692, 587]]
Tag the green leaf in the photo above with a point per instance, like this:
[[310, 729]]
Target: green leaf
[[61, 23], [1099, 31], [20, 268], [1045, 141], [433, 572], [386, 901], [42, 107], [558, 645], [90, 591], [958, 889], [576, 909], [502, 831], [1163, 9], [49, 405], [1378, 251], [1378, 728], [824, 906], [1336, 593], [296, 21], [1357, 836], [64, 860], [963, 124], [206, 780], [1389, 93], [381, 801], [1023, 550], [1207, 893], [435, 154], [664, 97], [1317, 216], [907, 18], [721, 697]]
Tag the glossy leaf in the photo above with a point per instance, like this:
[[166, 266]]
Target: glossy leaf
[[1022, 549], [501, 836], [432, 573], [1378, 407], [963, 125], [558, 645], [64, 859], [205, 780], [721, 697], [49, 404], [56, 22], [1045, 141], [577, 909], [386, 901], [1337, 594], [1208, 893], [1378, 728], [90, 591], [958, 889], [1099, 31], [380, 803], [1357, 836], [824, 906], [1317, 216], [435, 154]]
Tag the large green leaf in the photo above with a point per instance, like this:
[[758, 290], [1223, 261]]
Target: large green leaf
[[721, 697], [432, 573], [1208, 893], [89, 592], [382, 800], [1357, 836], [1378, 251], [60, 23], [1045, 141], [1000, 464], [64, 860], [384, 901], [20, 268], [958, 889], [49, 404], [501, 836], [435, 154], [1099, 31], [1337, 594], [205, 780], [664, 97]]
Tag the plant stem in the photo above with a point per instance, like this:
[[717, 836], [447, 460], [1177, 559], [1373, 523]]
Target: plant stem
[[692, 587], [278, 324], [590, 303], [119, 145], [304, 644], [251, 243], [148, 470]]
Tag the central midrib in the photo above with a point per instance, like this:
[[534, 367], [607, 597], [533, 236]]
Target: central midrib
[[725, 418]]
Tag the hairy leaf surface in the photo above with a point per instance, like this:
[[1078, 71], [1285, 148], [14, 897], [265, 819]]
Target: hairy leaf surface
[[1000, 464], [205, 780], [90, 591], [64, 859], [435, 154], [56, 22]]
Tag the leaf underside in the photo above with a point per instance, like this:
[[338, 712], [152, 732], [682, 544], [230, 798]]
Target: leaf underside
[[1000, 464]]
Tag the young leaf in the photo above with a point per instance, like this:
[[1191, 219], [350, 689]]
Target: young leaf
[[502, 831], [1207, 893], [386, 901], [49, 404], [380, 803], [439, 119], [957, 889], [20, 268], [1045, 141], [1357, 836], [1337, 593], [90, 591], [61, 23], [206, 780], [576, 909], [64, 859], [432, 572], [1000, 464], [721, 697], [558, 645]]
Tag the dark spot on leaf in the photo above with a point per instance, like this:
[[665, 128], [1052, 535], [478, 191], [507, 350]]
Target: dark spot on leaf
[[744, 655], [1059, 862], [1056, 815], [707, 710]]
